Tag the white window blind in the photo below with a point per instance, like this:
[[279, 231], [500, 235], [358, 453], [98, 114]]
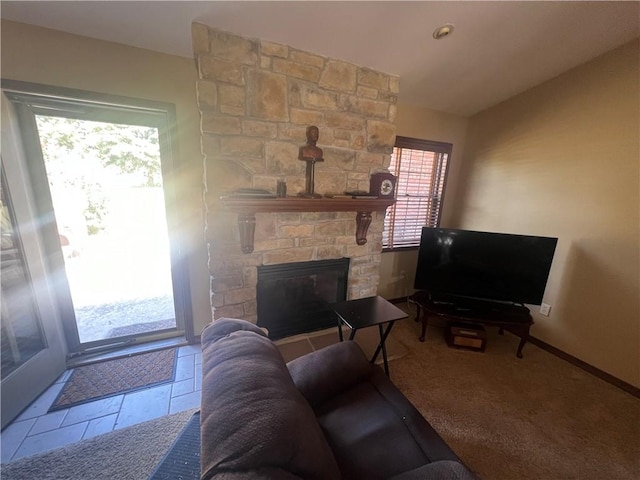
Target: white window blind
[[421, 170]]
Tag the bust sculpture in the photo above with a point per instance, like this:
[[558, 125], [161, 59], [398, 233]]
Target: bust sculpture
[[310, 151], [311, 154]]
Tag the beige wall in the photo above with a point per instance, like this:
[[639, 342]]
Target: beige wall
[[397, 269], [39, 55], [562, 159]]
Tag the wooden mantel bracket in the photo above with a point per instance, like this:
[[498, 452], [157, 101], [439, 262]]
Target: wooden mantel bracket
[[363, 220], [247, 228], [246, 208]]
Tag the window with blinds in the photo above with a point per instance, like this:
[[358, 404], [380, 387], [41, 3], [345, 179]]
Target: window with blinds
[[420, 167]]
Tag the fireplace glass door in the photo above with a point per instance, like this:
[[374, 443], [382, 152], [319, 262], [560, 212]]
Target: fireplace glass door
[[294, 298]]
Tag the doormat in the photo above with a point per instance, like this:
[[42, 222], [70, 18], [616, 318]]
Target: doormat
[[115, 377]]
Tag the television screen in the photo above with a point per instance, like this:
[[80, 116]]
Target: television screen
[[493, 266]]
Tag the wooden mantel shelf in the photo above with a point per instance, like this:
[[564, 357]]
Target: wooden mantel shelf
[[298, 204], [248, 207]]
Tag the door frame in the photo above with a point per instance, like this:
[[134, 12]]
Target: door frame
[[30, 99]]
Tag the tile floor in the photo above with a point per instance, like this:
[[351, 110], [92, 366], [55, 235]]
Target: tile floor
[[36, 431]]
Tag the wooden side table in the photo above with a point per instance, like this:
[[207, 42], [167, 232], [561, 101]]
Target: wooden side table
[[368, 312], [513, 318]]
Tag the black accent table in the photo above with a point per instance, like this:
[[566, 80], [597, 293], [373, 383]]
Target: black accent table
[[368, 312], [513, 318]]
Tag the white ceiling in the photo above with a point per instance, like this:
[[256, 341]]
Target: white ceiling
[[498, 49]]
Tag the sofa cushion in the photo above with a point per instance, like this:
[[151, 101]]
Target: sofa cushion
[[430, 442], [368, 438], [254, 421], [323, 374], [376, 433]]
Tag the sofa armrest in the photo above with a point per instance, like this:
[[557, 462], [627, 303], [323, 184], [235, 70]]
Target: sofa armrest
[[322, 374], [226, 326], [253, 418], [440, 470]]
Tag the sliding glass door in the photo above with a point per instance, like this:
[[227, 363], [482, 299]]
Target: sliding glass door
[[104, 174], [107, 193], [32, 350]]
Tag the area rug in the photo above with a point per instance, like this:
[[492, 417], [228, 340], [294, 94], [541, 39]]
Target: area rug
[[114, 377], [131, 453]]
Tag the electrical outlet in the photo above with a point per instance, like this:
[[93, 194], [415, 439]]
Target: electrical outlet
[[545, 308]]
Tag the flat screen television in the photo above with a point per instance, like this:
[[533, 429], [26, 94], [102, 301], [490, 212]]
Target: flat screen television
[[498, 267]]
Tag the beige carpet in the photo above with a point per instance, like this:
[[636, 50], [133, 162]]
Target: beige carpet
[[538, 417]]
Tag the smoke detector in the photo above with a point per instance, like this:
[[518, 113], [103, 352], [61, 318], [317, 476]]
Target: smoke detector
[[443, 31]]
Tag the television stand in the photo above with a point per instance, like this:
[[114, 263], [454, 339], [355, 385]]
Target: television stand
[[513, 318]]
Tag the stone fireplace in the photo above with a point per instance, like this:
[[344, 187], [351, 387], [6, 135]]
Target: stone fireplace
[[256, 99]]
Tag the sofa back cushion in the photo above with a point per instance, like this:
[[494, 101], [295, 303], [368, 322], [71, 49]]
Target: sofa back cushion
[[252, 416], [323, 374]]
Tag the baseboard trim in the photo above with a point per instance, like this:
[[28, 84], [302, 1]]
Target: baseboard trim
[[627, 387]]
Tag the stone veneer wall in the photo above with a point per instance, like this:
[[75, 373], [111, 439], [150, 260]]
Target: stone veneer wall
[[256, 100]]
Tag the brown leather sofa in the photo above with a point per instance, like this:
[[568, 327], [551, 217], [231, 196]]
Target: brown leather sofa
[[327, 415]]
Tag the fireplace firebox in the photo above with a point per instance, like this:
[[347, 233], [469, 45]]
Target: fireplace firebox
[[294, 298]]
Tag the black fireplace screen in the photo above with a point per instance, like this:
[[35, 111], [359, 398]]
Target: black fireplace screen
[[294, 298]]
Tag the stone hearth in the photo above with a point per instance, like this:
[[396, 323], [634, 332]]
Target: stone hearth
[[256, 100]]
